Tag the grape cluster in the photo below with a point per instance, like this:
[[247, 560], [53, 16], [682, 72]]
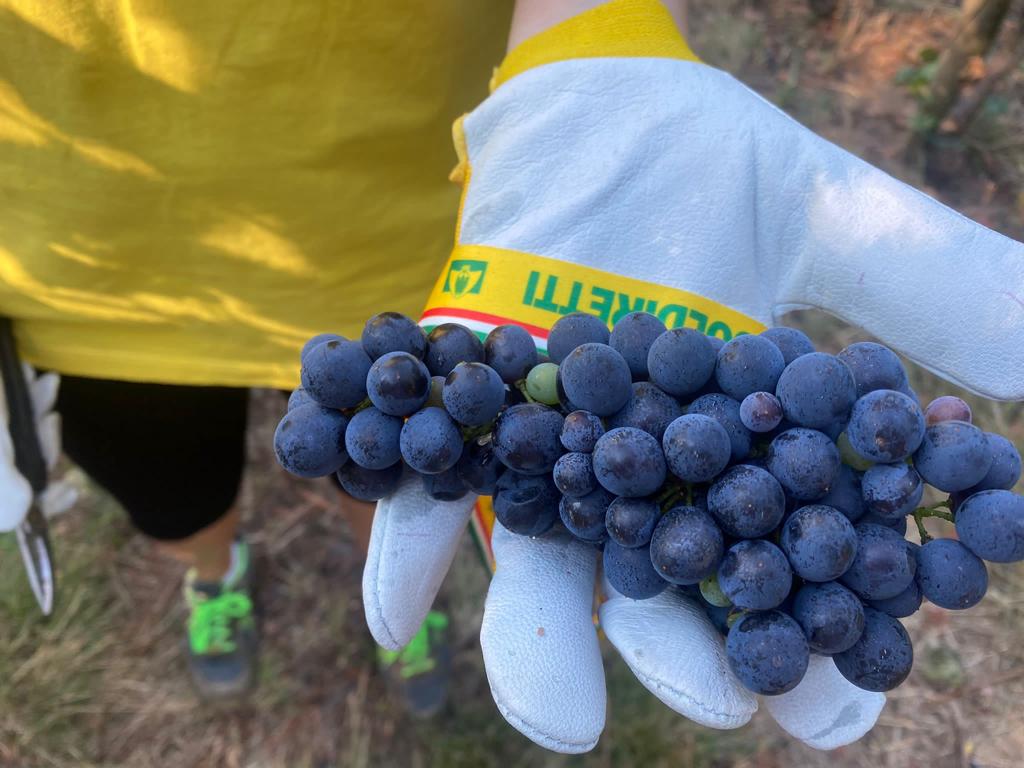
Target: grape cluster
[[768, 481]]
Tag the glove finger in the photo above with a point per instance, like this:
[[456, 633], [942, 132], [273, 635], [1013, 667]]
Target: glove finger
[[412, 544], [58, 498], [48, 429], [44, 392], [676, 654], [15, 493], [539, 643], [880, 254], [825, 710]]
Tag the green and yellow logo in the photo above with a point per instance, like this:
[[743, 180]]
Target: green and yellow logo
[[465, 276]]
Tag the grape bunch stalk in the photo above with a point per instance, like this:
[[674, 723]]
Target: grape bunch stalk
[[769, 482]]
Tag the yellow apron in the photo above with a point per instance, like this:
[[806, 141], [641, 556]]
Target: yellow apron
[[189, 189]]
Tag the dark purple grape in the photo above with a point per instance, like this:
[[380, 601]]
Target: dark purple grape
[[903, 605], [430, 441], [761, 412], [791, 342], [581, 431], [726, 412], [630, 522], [755, 575], [629, 462], [526, 504], [511, 351], [631, 573], [892, 491], [804, 461], [632, 338], [584, 517], [372, 439], [479, 468], [574, 474], [393, 332], [310, 441], [398, 384], [298, 397], [526, 438], [334, 373], [315, 340], [748, 364], [686, 546], [696, 448], [846, 494], [991, 525], [950, 575], [648, 409], [816, 391], [874, 367], [819, 542], [885, 426], [881, 658], [446, 486], [747, 502], [680, 361], [573, 330], [450, 344], [1006, 466], [947, 408], [953, 456], [473, 394], [768, 652], [831, 616], [596, 378], [369, 484], [883, 566]]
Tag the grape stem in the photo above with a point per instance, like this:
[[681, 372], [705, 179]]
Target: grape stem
[[361, 407], [675, 493], [472, 433], [940, 510], [670, 496], [521, 386]]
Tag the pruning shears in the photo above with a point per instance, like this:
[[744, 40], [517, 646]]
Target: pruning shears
[[33, 532]]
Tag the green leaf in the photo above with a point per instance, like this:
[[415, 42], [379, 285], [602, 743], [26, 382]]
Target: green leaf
[[922, 123], [996, 105], [905, 76]]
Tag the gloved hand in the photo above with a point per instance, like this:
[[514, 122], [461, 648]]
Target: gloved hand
[[15, 491], [611, 172]]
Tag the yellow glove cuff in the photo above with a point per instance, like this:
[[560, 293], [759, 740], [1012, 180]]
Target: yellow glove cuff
[[621, 28]]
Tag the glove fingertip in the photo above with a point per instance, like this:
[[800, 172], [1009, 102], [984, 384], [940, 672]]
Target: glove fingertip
[[825, 711], [541, 738]]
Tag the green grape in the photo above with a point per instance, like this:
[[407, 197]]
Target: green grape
[[540, 383], [850, 457], [711, 592], [434, 398], [734, 615]]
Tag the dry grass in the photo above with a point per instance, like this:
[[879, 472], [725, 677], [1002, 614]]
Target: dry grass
[[101, 684]]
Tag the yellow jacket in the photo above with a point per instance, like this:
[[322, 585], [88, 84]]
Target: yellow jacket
[[189, 189]]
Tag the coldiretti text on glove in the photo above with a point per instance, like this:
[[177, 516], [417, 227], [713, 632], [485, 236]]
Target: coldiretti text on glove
[[482, 287]]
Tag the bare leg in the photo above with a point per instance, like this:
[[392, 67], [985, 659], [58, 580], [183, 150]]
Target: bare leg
[[208, 550]]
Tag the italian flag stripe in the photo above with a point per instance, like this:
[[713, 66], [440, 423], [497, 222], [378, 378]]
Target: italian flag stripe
[[480, 322]]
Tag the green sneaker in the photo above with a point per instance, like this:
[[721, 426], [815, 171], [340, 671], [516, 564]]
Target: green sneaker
[[222, 635], [419, 673]]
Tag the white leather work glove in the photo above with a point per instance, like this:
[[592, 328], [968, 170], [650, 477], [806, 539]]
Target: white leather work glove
[[15, 491], [610, 172]]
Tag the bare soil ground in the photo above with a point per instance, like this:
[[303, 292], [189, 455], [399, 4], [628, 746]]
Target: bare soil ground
[[102, 684]]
